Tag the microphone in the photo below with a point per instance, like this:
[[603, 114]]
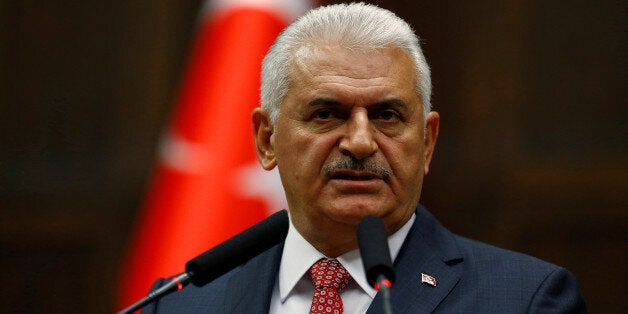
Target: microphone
[[223, 257], [239, 249], [373, 244]]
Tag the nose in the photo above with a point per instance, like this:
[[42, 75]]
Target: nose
[[358, 141]]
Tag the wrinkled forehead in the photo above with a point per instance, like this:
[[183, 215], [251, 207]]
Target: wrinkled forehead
[[352, 78], [365, 65]]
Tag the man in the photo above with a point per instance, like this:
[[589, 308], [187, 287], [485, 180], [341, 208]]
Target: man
[[346, 118]]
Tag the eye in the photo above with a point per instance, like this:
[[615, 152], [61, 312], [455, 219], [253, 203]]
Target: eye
[[387, 115], [327, 115], [322, 114]]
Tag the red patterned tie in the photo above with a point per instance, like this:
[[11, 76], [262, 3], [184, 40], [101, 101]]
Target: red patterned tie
[[329, 277]]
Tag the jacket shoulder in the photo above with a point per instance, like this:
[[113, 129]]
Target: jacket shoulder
[[514, 280]]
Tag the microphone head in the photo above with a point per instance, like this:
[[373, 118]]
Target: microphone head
[[239, 249], [373, 244]]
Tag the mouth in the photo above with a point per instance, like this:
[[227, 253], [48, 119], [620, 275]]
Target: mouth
[[352, 175]]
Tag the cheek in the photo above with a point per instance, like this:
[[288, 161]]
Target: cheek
[[406, 159], [303, 154]]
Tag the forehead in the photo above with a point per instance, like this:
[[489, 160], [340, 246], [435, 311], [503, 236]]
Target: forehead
[[354, 63], [340, 72]]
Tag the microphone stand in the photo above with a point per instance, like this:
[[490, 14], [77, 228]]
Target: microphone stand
[[223, 257], [384, 285], [373, 245], [177, 283]]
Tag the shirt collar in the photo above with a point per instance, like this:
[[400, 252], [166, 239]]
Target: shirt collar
[[299, 255]]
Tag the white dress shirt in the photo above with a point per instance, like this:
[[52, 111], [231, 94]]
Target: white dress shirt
[[294, 289]]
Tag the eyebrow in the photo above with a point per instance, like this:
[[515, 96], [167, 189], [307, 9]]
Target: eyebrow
[[393, 102], [322, 101]]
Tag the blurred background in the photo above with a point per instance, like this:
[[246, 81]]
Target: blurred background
[[531, 155]]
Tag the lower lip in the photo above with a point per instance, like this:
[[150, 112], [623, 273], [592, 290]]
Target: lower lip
[[357, 185]]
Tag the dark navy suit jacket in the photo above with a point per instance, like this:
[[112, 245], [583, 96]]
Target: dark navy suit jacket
[[472, 277]]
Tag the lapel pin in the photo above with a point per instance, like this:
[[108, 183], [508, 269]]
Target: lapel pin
[[428, 279]]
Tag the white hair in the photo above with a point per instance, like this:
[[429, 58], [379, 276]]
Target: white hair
[[352, 26]]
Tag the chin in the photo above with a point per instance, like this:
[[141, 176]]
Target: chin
[[353, 214]]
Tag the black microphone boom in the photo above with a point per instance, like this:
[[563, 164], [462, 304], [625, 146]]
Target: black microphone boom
[[373, 244], [223, 257], [239, 249]]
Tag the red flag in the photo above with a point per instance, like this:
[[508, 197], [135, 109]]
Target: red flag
[[208, 185]]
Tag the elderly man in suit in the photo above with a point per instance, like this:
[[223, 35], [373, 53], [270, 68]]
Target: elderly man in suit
[[346, 118]]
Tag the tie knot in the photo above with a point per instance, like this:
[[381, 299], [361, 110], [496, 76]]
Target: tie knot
[[329, 273]]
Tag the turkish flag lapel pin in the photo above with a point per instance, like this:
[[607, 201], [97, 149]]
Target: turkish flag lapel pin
[[428, 280]]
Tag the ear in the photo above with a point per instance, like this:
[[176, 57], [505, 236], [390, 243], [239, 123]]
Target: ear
[[431, 134], [263, 130]]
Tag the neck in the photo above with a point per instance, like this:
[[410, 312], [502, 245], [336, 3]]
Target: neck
[[331, 241]]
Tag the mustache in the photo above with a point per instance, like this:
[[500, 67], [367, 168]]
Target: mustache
[[351, 163]]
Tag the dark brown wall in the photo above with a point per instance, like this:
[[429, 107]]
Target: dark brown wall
[[531, 156]]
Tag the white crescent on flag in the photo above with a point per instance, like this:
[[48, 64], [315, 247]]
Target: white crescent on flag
[[253, 181]]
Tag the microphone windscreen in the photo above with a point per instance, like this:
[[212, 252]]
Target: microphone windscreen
[[238, 249], [373, 244]]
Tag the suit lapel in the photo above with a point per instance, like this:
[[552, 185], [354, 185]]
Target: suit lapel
[[251, 287], [430, 249]]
